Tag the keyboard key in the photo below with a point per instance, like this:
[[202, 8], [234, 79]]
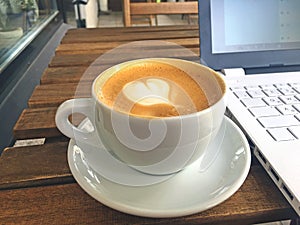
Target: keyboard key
[[256, 93], [279, 121], [272, 101], [267, 86], [281, 85], [289, 100], [287, 91], [241, 94], [297, 116], [295, 84], [264, 111], [281, 134], [272, 92], [253, 102], [297, 106], [295, 130], [297, 97], [237, 88], [287, 109], [252, 87], [297, 89]]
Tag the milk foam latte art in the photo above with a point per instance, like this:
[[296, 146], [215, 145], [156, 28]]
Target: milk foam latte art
[[153, 89]]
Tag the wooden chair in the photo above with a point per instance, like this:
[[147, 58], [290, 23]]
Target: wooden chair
[[131, 9], [140, 19]]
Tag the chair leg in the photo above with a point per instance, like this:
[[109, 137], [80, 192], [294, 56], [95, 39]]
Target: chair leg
[[189, 19], [151, 20]]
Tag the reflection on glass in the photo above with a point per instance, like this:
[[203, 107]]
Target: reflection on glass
[[19, 21]]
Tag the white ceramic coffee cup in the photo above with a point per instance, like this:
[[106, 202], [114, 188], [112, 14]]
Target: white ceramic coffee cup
[[156, 146]]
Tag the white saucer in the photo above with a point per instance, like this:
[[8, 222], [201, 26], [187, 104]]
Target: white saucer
[[189, 191]]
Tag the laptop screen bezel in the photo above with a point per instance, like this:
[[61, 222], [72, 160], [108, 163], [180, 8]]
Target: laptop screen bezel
[[246, 60]]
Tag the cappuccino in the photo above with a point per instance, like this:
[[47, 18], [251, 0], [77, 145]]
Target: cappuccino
[[153, 139], [153, 89]]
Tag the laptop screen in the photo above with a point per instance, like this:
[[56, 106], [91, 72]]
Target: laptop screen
[[249, 33]]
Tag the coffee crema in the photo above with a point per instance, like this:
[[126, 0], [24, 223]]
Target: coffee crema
[[153, 89]]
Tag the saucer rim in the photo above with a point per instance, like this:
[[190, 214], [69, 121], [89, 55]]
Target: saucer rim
[[157, 213]]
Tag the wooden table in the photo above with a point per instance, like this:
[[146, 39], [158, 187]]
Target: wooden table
[[36, 186]]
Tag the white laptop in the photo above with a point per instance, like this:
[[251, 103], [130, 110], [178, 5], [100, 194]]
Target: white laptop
[[256, 44]]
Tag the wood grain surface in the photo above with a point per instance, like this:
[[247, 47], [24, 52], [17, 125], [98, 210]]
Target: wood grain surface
[[37, 179], [36, 186]]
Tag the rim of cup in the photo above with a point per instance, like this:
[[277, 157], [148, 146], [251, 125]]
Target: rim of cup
[[121, 65]]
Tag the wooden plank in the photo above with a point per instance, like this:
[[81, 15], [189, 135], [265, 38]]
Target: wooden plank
[[143, 8], [52, 95], [34, 165], [36, 123], [115, 31], [70, 74], [117, 56], [131, 9], [40, 123], [73, 60], [84, 48], [69, 48], [257, 201], [139, 36]]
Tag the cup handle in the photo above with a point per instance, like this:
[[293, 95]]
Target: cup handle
[[84, 106]]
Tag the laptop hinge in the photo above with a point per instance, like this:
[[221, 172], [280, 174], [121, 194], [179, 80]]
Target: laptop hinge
[[234, 72]]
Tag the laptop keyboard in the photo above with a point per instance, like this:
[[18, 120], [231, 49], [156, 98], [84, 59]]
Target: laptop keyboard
[[275, 106]]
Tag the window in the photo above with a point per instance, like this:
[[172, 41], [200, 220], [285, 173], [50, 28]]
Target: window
[[20, 22]]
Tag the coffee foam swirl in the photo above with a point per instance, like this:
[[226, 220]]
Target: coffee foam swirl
[[147, 91], [153, 89]]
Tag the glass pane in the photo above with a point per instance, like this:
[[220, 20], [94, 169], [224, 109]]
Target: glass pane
[[20, 22]]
